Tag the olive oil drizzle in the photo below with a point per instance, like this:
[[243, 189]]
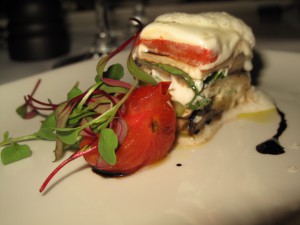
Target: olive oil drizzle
[[272, 145]]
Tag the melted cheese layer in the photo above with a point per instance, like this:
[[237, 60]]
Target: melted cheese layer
[[219, 32]]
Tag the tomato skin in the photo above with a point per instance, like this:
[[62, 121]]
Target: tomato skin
[[151, 122], [190, 54]]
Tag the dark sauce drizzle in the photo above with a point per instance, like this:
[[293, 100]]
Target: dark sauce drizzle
[[272, 145]]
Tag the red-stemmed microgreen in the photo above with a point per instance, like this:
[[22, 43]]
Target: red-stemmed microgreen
[[108, 141], [70, 135], [103, 61], [31, 101], [14, 151], [94, 113], [25, 111], [65, 162]]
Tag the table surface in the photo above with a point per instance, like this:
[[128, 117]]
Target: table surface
[[282, 36]]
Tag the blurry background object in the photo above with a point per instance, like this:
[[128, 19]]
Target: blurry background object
[[36, 30], [103, 41], [275, 23]]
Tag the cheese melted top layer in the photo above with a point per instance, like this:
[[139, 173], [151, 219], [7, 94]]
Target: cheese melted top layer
[[219, 32]]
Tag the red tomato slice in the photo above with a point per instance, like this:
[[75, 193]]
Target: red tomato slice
[[151, 122], [190, 54]]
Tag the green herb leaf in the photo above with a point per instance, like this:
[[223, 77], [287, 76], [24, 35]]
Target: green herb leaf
[[172, 69], [68, 136], [199, 103], [115, 71], [49, 122], [88, 94], [101, 65], [25, 111], [138, 73], [212, 78], [5, 136], [22, 110], [108, 143], [15, 152], [110, 89], [46, 133], [177, 72], [77, 115], [74, 92]]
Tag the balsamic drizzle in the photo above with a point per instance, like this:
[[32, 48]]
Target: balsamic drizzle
[[272, 145]]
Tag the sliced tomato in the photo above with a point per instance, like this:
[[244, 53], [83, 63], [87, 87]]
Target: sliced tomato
[[190, 54], [151, 122]]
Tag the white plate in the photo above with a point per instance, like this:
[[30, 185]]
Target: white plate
[[222, 182]]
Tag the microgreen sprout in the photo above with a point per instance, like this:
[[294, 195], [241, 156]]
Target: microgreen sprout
[[90, 113]]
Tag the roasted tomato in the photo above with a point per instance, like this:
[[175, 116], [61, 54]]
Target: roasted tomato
[[190, 54], [151, 122]]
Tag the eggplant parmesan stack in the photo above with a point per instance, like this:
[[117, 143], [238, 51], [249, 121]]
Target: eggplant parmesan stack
[[207, 57]]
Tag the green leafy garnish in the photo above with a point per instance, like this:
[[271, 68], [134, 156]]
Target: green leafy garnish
[[25, 111], [46, 132], [199, 103], [82, 116], [212, 78], [138, 73], [177, 72], [15, 152], [108, 143], [110, 89], [115, 71], [74, 92], [70, 135]]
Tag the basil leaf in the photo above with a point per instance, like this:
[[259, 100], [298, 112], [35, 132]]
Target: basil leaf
[[108, 143], [212, 78], [177, 72], [15, 152], [172, 70], [199, 103]]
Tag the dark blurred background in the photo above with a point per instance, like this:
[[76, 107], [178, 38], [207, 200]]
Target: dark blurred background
[[79, 5], [269, 19]]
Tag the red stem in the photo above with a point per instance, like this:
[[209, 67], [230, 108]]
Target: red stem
[[30, 100], [119, 83], [36, 87], [106, 95], [71, 158]]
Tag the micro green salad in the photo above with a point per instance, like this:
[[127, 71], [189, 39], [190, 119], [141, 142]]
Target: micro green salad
[[87, 111]]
